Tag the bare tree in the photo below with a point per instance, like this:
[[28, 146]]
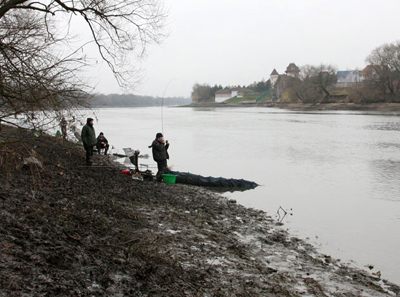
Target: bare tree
[[303, 88], [364, 92], [36, 74], [314, 83], [32, 77], [324, 77], [40, 64], [385, 62], [121, 29], [202, 93]]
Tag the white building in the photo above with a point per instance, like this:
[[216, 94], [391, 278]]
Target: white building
[[222, 95]]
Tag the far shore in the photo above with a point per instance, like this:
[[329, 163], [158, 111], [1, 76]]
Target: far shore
[[378, 107]]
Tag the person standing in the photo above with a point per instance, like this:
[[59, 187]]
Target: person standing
[[160, 155], [89, 139], [102, 143], [63, 126]]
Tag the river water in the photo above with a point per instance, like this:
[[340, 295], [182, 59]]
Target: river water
[[336, 173]]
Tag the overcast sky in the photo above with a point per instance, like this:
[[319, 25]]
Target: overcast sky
[[238, 42]]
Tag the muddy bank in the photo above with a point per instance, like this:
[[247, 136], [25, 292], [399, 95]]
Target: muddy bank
[[377, 107], [71, 230]]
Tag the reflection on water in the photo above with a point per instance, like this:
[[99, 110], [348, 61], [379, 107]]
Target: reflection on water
[[386, 126], [337, 172], [384, 145], [386, 175]]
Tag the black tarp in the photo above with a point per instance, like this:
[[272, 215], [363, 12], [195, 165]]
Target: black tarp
[[220, 182]]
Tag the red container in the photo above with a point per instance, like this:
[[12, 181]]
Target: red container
[[127, 172]]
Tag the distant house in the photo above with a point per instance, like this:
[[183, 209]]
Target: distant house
[[222, 95], [369, 72], [347, 78], [279, 83], [225, 94]]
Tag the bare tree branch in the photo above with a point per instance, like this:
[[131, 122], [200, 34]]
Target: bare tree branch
[[121, 30], [385, 62]]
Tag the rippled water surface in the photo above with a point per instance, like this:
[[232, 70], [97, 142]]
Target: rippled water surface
[[337, 173]]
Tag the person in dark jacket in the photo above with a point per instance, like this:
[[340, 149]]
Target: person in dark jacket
[[89, 139], [160, 155], [63, 125], [102, 143]]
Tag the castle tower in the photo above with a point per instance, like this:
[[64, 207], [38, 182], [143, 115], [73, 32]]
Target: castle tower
[[273, 77], [292, 70]]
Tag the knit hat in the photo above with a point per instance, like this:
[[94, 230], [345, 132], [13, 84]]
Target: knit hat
[[159, 135]]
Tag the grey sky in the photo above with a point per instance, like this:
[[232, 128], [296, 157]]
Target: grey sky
[[237, 42]]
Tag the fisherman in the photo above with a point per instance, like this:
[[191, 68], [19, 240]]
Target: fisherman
[[160, 155], [102, 143], [89, 140], [63, 125]]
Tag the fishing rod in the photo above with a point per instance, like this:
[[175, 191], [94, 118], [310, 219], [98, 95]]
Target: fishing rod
[[162, 105]]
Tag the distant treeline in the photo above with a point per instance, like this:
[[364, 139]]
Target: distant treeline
[[131, 100]]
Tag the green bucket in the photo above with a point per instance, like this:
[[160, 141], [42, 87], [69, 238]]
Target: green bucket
[[169, 178]]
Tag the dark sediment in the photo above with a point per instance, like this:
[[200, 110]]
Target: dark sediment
[[71, 230]]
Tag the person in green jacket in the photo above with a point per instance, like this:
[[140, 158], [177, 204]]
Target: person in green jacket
[[89, 139]]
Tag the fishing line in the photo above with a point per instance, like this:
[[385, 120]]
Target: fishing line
[[162, 106]]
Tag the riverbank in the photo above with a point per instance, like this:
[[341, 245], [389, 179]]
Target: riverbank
[[377, 107], [71, 230]]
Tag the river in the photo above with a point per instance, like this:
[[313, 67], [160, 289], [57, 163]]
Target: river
[[335, 173]]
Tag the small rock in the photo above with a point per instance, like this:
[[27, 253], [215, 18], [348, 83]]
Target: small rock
[[28, 162]]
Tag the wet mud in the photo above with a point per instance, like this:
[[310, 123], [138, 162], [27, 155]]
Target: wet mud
[[71, 230]]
